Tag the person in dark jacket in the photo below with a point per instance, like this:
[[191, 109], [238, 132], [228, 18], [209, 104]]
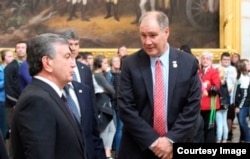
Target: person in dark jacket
[[12, 82], [242, 100]]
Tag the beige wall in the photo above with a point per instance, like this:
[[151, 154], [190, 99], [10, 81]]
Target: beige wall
[[245, 29]]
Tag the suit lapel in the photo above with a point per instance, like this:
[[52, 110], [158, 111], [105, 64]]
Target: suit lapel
[[173, 70], [62, 106], [55, 96], [81, 71], [146, 74], [80, 96], [73, 121]]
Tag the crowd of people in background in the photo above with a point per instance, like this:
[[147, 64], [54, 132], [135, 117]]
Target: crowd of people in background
[[95, 72], [104, 106], [230, 78]]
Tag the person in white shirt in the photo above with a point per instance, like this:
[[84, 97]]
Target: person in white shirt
[[230, 77]]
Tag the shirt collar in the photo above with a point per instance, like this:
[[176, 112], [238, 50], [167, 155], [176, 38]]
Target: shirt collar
[[52, 84], [164, 58]]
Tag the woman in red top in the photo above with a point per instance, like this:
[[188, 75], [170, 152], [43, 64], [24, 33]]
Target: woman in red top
[[210, 99]]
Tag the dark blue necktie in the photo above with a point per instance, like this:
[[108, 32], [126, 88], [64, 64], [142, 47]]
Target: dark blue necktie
[[71, 103]]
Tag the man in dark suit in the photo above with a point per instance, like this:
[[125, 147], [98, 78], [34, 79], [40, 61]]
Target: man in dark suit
[[136, 101], [94, 144], [43, 126], [82, 71]]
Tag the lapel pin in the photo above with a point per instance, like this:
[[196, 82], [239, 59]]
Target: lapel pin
[[82, 67], [175, 64], [80, 91]]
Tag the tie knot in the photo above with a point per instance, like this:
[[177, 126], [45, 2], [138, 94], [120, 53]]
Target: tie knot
[[63, 98], [158, 61]]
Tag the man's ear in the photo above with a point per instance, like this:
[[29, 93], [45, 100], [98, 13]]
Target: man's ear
[[47, 63]]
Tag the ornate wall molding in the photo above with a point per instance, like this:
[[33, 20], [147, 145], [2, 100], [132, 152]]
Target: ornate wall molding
[[112, 52], [230, 24]]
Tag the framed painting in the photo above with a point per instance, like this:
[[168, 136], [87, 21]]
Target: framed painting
[[107, 24]]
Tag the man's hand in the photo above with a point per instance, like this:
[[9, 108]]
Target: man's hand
[[163, 148]]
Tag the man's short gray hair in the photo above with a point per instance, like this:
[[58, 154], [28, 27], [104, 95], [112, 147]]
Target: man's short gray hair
[[207, 54]]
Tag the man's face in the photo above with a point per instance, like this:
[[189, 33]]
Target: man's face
[[122, 52], [74, 47], [21, 49], [8, 57], [153, 39], [225, 61], [90, 60], [63, 65], [116, 64], [206, 61]]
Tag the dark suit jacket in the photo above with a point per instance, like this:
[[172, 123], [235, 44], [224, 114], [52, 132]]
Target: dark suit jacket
[[94, 144], [3, 151], [86, 78], [85, 74], [43, 127], [11, 83], [135, 101]]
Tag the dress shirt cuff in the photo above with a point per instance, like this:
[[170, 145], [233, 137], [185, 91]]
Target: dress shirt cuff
[[170, 140], [152, 145]]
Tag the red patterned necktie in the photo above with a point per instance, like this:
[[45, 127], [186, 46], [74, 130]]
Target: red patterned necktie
[[159, 100]]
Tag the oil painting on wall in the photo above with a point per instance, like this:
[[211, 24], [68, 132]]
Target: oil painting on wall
[[109, 23]]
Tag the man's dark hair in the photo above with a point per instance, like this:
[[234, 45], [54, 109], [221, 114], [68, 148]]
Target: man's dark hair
[[40, 46], [225, 54], [70, 34], [20, 42], [84, 55], [186, 48]]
